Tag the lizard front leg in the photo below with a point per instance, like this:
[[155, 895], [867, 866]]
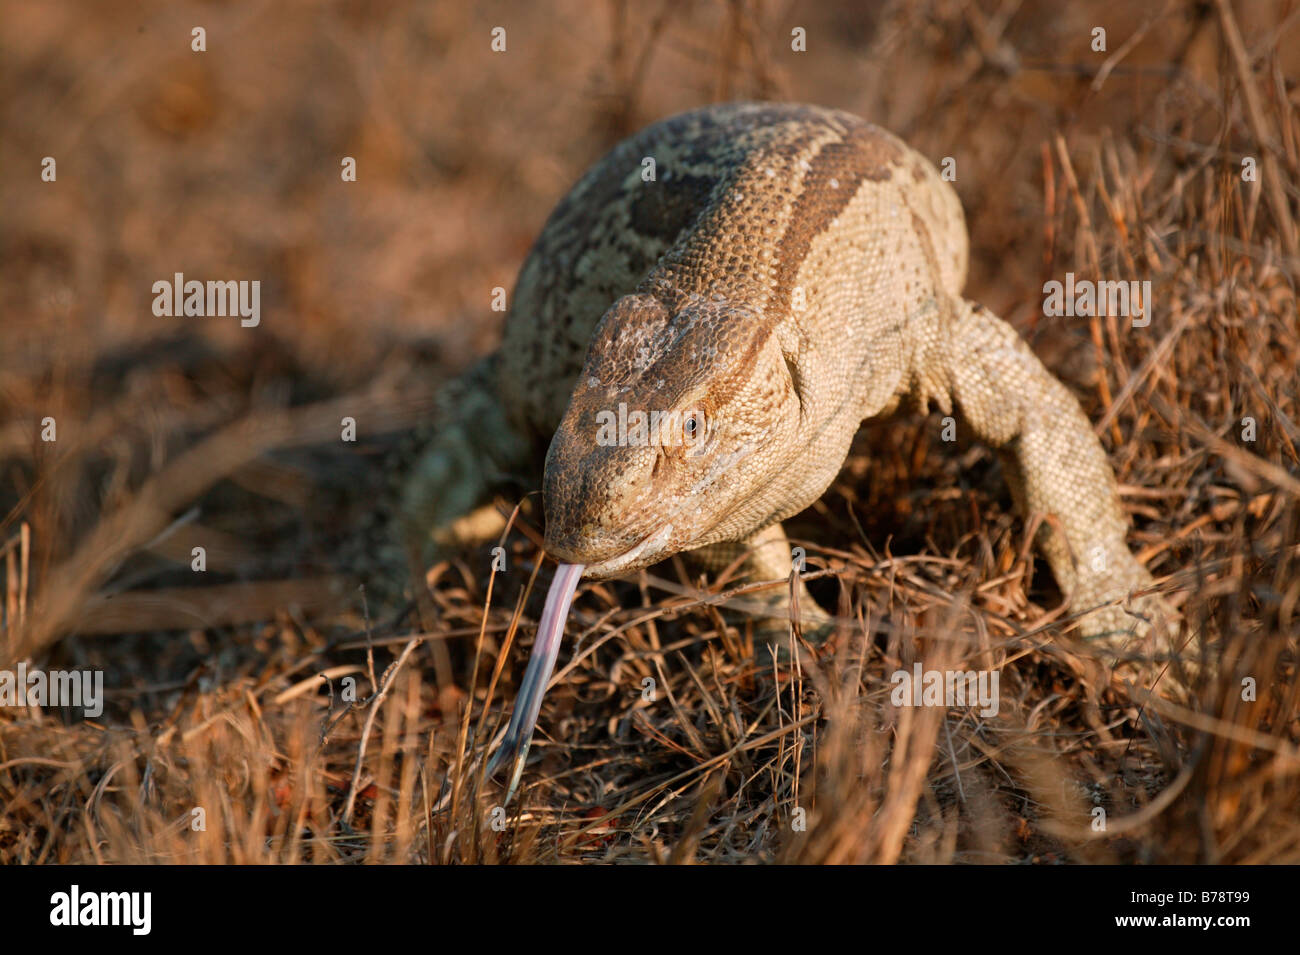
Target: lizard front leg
[[472, 448], [767, 555], [1056, 467]]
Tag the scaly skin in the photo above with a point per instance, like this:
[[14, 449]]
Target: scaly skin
[[791, 272]]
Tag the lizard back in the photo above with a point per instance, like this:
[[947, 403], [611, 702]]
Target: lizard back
[[782, 207]]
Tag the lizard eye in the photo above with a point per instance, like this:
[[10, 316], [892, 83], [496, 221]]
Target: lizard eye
[[693, 431], [692, 425]]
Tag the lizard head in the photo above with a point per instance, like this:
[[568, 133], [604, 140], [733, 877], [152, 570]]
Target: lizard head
[[672, 436], [680, 424]]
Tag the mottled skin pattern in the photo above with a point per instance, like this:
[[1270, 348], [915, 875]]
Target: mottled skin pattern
[[790, 272]]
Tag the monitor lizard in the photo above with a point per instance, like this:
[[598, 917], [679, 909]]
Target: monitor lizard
[[766, 277]]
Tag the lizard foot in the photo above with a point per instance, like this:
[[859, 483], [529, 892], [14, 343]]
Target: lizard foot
[[773, 621], [768, 555], [1141, 642]]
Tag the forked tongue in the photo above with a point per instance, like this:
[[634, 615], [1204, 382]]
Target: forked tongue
[[550, 633]]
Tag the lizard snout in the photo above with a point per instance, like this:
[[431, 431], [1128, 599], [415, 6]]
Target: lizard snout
[[650, 549]]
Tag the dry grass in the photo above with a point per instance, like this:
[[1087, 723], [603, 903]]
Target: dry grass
[[173, 436]]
